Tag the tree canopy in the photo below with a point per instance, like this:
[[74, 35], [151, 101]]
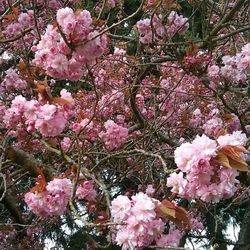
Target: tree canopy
[[124, 124]]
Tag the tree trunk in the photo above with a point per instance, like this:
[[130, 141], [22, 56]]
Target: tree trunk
[[244, 234]]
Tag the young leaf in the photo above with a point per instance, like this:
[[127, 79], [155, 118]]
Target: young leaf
[[43, 89], [231, 157], [170, 211], [40, 183], [192, 49], [60, 101]]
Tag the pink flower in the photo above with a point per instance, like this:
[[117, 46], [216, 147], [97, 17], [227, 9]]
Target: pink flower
[[177, 23], [60, 186], [125, 239], [114, 136], [184, 156], [111, 3], [47, 111], [213, 126], [171, 239], [86, 191], [66, 19], [58, 59], [51, 120], [25, 19], [66, 143], [31, 109], [67, 96], [120, 208], [200, 169], [205, 145], [12, 81], [53, 201], [144, 29], [143, 207], [177, 182], [214, 72], [237, 138], [139, 220], [60, 63], [150, 190]]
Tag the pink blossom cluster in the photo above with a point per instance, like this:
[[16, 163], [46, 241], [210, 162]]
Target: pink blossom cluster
[[53, 4], [53, 200], [65, 49], [212, 122], [115, 135], [171, 239], [201, 177], [48, 119], [177, 24], [4, 4], [88, 127], [24, 22], [111, 3], [235, 68], [111, 102], [111, 80], [174, 97], [151, 29], [12, 81], [197, 62], [86, 190], [66, 143], [140, 226], [112, 72]]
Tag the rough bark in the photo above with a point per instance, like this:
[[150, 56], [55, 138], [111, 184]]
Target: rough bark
[[244, 234]]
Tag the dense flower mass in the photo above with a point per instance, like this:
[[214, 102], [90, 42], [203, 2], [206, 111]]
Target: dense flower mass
[[201, 176], [53, 200], [154, 29], [23, 25], [114, 136], [48, 119], [12, 81], [66, 48], [235, 68], [86, 191], [130, 113], [142, 227]]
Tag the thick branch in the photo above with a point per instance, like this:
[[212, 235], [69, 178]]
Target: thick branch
[[26, 161], [244, 235]]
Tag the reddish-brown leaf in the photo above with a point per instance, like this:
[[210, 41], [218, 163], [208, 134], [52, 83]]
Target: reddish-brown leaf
[[222, 159], [174, 213], [60, 101], [72, 170], [40, 183], [12, 15], [231, 157], [192, 49], [43, 89], [28, 73], [91, 206], [102, 217]]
